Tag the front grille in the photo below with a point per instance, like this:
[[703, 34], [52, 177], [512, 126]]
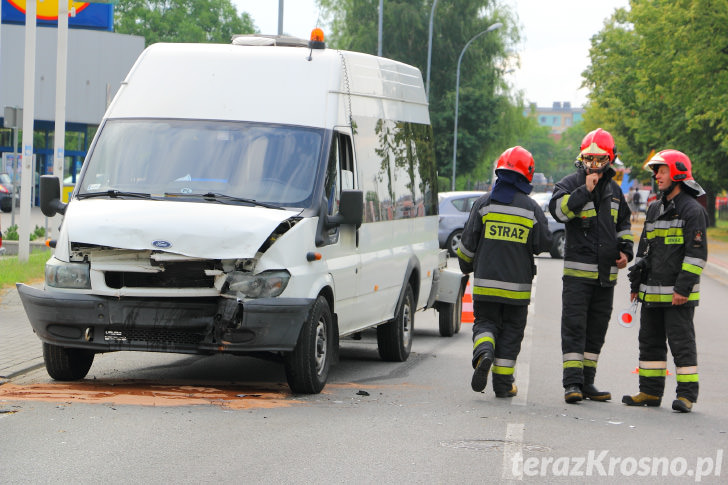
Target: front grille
[[154, 336], [175, 275]]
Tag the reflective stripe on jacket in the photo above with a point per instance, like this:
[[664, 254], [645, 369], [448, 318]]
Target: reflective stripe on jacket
[[498, 244]]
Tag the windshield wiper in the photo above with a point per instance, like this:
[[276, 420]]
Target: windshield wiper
[[114, 194], [222, 198]]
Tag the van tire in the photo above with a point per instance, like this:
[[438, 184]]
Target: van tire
[[307, 367], [66, 364], [394, 338], [451, 316]]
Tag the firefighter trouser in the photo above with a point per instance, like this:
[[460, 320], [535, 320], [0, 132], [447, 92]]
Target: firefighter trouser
[[585, 312], [674, 324], [498, 329]]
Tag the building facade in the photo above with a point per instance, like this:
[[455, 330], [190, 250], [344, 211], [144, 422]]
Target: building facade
[[559, 117], [98, 62]]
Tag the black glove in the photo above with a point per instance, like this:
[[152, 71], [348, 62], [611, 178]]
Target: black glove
[[637, 274]]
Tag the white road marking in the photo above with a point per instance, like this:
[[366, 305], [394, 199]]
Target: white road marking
[[513, 452]]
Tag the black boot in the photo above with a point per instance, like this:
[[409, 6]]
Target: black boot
[[588, 389], [480, 375], [682, 404], [512, 392], [591, 392], [572, 393]]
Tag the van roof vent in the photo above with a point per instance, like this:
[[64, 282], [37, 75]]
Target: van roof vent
[[274, 40]]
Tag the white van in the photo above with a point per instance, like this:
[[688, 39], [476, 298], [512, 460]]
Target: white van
[[249, 199]]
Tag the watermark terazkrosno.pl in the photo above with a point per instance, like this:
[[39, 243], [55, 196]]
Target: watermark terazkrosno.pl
[[601, 464]]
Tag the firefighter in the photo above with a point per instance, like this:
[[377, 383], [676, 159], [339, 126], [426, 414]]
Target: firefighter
[[598, 244], [504, 230], [671, 255]]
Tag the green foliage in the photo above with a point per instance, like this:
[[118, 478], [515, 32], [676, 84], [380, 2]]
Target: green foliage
[[11, 233], [13, 271], [181, 20], [659, 79], [38, 233]]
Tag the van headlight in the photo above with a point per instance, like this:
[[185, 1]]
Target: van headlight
[[267, 284], [60, 274]]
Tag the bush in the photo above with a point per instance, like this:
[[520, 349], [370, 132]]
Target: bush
[[11, 233], [38, 233]]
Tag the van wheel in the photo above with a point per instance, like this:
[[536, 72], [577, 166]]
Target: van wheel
[[394, 339], [450, 316], [66, 364], [307, 367]]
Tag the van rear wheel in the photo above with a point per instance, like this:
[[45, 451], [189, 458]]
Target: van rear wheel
[[394, 339], [451, 315], [66, 364], [307, 367]]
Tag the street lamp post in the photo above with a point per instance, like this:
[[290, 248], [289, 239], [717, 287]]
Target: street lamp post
[[493, 27], [429, 50]]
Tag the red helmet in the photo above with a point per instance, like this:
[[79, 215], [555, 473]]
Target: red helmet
[[598, 142], [517, 159], [680, 168]]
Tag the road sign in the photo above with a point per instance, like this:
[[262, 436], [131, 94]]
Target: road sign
[[12, 117]]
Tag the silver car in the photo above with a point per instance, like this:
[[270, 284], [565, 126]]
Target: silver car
[[454, 211], [557, 228]]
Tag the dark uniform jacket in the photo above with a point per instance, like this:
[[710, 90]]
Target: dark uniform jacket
[[674, 247], [498, 244], [597, 227]]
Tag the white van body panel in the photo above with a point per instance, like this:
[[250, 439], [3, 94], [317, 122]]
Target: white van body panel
[[379, 87], [200, 230], [227, 72]]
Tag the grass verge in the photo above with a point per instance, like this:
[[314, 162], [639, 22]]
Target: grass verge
[[13, 271], [720, 231]]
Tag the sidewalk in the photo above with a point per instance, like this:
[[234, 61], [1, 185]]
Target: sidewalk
[[21, 350]]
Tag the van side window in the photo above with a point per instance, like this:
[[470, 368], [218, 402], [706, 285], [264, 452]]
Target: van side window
[[340, 171]]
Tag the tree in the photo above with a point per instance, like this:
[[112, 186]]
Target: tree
[[181, 20], [659, 79], [487, 115]]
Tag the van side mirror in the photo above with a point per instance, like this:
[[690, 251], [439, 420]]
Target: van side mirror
[[50, 196], [351, 209]]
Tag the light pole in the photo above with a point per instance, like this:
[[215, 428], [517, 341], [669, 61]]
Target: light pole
[[379, 28], [429, 50], [493, 27]]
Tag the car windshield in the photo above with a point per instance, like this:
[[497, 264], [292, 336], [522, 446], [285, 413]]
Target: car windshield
[[236, 161], [5, 179]]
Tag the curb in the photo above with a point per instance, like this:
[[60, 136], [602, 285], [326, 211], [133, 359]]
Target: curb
[[11, 247]]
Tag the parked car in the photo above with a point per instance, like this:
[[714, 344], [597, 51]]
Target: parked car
[[557, 228], [2, 249], [454, 211], [6, 193]]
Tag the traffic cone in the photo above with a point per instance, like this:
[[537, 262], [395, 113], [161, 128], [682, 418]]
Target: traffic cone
[[467, 313]]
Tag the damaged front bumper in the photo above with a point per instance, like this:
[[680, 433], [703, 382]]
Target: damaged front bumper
[[202, 325]]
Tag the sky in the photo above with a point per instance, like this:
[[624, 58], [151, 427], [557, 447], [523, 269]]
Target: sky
[[553, 52]]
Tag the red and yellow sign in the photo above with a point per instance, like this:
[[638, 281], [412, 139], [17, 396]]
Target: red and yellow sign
[[48, 9]]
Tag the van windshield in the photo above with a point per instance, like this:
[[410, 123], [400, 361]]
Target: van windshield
[[271, 164]]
